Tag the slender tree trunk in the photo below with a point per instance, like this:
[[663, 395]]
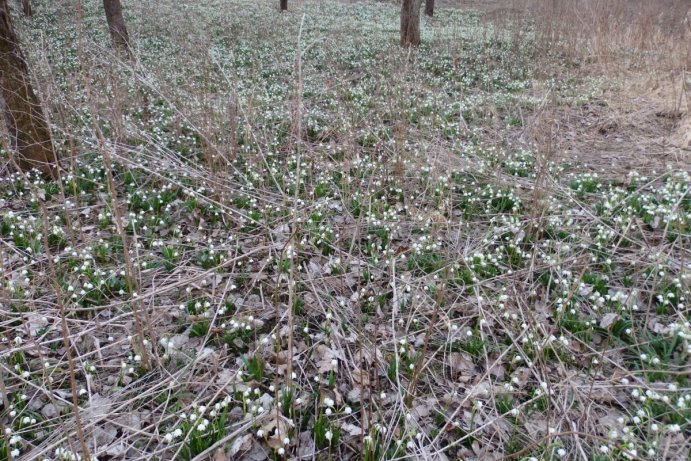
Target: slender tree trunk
[[29, 132], [116, 24], [26, 6], [410, 22], [429, 7], [284, 5]]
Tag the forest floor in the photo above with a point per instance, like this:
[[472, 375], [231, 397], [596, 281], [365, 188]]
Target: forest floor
[[281, 236]]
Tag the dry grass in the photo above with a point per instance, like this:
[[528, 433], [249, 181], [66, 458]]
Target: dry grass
[[641, 51], [417, 235]]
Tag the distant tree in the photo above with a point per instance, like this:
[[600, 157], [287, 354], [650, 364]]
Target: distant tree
[[410, 23], [116, 24], [26, 6], [429, 7], [26, 123], [284, 5]]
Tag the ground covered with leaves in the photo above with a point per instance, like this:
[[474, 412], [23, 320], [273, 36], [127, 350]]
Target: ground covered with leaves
[[280, 236]]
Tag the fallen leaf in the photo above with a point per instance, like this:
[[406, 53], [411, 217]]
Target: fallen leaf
[[361, 377], [460, 362], [608, 320], [351, 429], [243, 443]]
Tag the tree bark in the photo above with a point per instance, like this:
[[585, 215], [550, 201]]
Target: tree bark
[[116, 24], [410, 23], [29, 132], [429, 7], [26, 6], [284, 5]]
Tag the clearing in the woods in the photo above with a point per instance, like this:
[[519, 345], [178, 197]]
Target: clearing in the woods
[[283, 236]]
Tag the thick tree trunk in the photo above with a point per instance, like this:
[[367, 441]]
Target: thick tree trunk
[[284, 5], [26, 123], [429, 7], [26, 6], [116, 25], [410, 22]]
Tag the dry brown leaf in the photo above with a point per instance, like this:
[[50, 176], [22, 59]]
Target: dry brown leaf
[[608, 320], [352, 429], [276, 427], [461, 362], [357, 393], [241, 444], [361, 377]]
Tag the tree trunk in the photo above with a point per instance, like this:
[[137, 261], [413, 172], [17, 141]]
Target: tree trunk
[[116, 24], [29, 132], [429, 8], [26, 6], [410, 23], [284, 5]]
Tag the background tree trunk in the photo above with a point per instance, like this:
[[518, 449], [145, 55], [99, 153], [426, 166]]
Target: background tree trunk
[[429, 7], [410, 22], [29, 132], [26, 6], [284, 5], [116, 25]]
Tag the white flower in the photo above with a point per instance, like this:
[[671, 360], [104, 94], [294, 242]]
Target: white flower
[[329, 435]]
